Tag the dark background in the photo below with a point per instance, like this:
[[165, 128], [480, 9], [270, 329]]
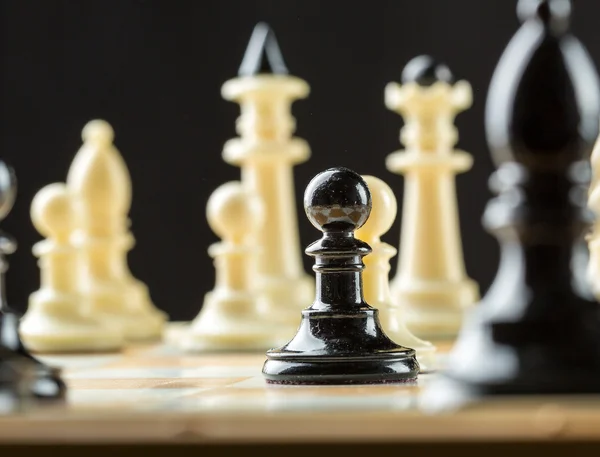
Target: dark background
[[154, 70]]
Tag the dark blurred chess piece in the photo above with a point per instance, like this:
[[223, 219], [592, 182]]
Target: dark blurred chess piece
[[47, 383], [17, 376], [537, 331], [340, 340]]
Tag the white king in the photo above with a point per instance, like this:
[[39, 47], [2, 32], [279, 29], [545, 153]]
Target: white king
[[266, 153]]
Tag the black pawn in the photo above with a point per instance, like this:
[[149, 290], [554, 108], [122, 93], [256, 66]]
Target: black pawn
[[47, 383], [537, 330], [426, 71], [263, 55], [340, 340]]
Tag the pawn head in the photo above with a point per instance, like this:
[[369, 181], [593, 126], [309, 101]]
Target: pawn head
[[426, 71], [8, 189], [52, 211], [383, 213], [234, 212], [337, 199], [98, 132]]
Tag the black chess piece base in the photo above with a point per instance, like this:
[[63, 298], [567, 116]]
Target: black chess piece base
[[557, 358], [363, 356], [47, 383]]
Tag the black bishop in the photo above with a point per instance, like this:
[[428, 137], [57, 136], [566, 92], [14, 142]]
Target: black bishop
[[537, 331]]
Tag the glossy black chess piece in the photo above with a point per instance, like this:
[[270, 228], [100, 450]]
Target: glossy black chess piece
[[263, 55], [537, 330], [340, 340], [48, 384], [17, 377]]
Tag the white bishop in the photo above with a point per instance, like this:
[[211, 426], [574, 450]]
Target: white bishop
[[101, 185]]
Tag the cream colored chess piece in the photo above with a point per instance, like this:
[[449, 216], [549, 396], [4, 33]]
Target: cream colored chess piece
[[376, 287], [593, 239], [231, 317], [431, 281], [57, 319], [266, 153], [100, 182]]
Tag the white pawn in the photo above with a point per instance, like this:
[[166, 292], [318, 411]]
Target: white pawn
[[376, 286], [231, 317], [57, 319], [100, 181]]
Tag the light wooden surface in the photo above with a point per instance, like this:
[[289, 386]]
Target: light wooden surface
[[153, 394]]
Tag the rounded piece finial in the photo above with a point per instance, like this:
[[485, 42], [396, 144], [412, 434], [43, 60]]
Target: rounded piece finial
[[52, 211], [555, 13], [426, 71], [543, 102], [8, 189], [337, 199], [99, 132], [383, 212], [234, 212]]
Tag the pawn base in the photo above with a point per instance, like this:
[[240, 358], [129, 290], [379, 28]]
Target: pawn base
[[55, 323], [46, 383], [135, 327], [293, 293], [394, 327], [225, 343], [362, 370], [333, 347], [231, 321], [435, 309]]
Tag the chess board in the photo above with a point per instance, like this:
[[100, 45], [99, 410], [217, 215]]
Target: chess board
[[156, 394]]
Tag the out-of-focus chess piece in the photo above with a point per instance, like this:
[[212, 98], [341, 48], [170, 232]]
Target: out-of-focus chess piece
[[537, 330], [47, 383], [101, 187], [58, 317], [376, 285], [266, 152], [233, 316], [431, 284]]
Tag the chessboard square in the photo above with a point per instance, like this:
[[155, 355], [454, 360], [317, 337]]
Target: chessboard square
[[160, 357], [166, 372], [149, 383], [139, 398]]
